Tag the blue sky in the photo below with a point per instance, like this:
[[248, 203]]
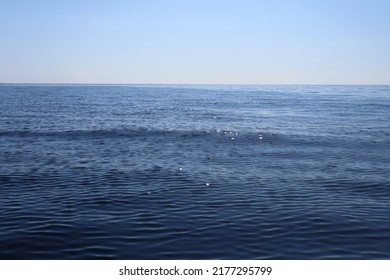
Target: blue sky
[[195, 41]]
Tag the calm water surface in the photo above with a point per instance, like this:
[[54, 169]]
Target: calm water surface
[[194, 172]]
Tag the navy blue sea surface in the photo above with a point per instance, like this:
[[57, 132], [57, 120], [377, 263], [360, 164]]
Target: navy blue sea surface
[[194, 172]]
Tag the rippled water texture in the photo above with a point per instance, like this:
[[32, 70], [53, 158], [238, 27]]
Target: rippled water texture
[[194, 172]]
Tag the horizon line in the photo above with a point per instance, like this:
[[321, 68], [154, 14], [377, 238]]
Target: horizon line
[[192, 84]]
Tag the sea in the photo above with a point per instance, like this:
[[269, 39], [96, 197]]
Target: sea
[[194, 172]]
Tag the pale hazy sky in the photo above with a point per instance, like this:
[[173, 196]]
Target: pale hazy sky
[[195, 41]]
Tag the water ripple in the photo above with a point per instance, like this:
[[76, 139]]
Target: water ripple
[[194, 172]]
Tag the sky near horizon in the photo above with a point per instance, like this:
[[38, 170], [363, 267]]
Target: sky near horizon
[[195, 41]]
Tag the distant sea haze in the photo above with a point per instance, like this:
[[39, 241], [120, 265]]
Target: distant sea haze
[[194, 172]]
